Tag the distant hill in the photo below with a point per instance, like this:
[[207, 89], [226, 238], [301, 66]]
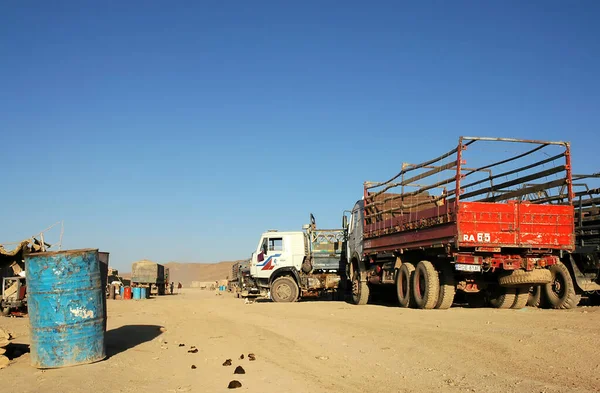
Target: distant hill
[[185, 273]]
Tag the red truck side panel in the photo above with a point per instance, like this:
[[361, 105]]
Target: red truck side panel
[[513, 224], [477, 224]]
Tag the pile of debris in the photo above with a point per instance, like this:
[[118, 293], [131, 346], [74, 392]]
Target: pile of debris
[[4, 341]]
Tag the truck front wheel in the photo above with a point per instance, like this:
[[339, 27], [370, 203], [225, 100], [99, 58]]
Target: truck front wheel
[[284, 290], [560, 293], [360, 291]]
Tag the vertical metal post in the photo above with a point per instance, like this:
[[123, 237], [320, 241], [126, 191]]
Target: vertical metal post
[[569, 172], [458, 168]]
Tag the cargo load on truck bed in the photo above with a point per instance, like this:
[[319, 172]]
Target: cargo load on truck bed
[[147, 272]]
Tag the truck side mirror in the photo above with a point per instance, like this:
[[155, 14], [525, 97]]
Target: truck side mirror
[[260, 257], [344, 221]]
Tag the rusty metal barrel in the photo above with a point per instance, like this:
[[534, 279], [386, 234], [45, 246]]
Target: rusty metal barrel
[[66, 309]]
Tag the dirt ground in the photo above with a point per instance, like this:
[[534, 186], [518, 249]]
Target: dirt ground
[[325, 346]]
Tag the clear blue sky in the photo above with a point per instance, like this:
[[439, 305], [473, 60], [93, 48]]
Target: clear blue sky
[[182, 130]]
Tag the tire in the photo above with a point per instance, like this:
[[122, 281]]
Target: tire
[[523, 277], [426, 285], [503, 297], [560, 293], [447, 288], [521, 298], [360, 291], [535, 296], [403, 285], [284, 290]]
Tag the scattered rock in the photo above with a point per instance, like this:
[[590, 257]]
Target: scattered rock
[[227, 362], [4, 334], [239, 370], [242, 357], [251, 357], [162, 329], [234, 384], [2, 351], [193, 366], [4, 361], [193, 350], [322, 357], [182, 345]]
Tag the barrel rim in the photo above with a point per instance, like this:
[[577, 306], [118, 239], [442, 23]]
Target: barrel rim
[[64, 252]]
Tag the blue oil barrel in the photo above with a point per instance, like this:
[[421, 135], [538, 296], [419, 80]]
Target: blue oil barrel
[[122, 291], [143, 293], [136, 292], [66, 309]]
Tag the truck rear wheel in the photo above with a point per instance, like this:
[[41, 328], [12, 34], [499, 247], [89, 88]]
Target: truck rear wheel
[[426, 285], [535, 296], [521, 298], [447, 288], [560, 293], [403, 280], [503, 297], [284, 290]]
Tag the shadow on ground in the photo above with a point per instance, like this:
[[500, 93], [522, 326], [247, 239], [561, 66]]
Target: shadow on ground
[[14, 351], [129, 336]]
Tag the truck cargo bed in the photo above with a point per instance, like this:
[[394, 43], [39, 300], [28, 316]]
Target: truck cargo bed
[[498, 203]]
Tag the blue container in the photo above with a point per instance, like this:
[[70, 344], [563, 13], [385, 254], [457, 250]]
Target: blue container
[[143, 293], [66, 309], [136, 293], [122, 291]]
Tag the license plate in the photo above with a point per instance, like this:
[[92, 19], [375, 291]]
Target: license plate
[[467, 268]]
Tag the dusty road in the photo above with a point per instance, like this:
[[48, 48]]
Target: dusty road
[[326, 347]]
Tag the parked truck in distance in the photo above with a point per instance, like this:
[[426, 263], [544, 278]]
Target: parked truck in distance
[[579, 274], [240, 271], [294, 265], [150, 275], [489, 222]]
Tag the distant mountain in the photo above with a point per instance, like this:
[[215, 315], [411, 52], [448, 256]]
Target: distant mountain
[[188, 272], [185, 273]]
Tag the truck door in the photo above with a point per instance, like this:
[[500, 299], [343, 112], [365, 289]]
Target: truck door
[[271, 250], [355, 231]]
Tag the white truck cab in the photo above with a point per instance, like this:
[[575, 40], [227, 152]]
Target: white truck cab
[[277, 250]]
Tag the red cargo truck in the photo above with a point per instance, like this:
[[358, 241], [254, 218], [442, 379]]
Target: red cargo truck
[[487, 221]]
